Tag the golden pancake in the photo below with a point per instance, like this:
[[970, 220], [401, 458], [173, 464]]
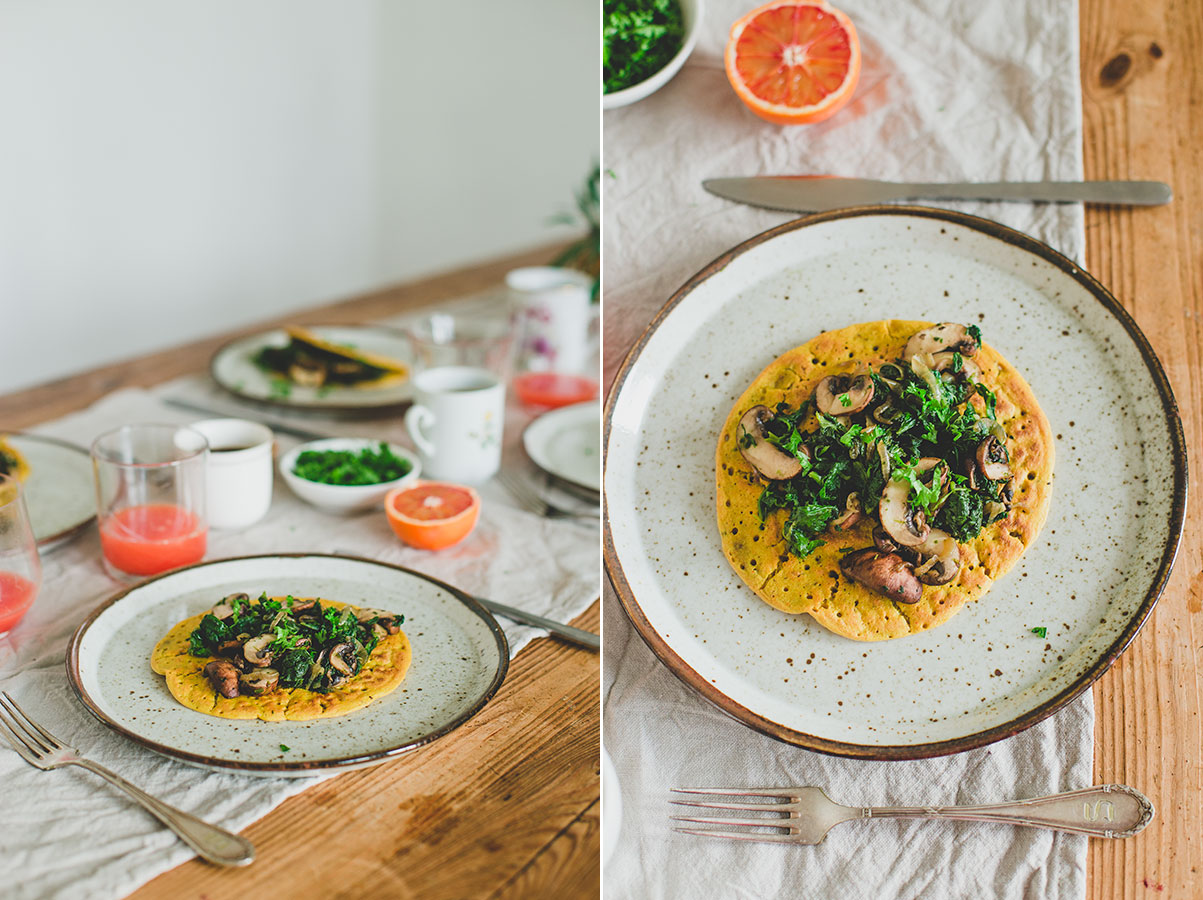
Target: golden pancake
[[814, 584], [11, 461], [381, 673], [394, 370]]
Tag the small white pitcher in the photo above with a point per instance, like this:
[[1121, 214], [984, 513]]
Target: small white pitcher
[[554, 314]]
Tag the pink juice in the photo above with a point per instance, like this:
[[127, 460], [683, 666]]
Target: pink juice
[[146, 540], [16, 596]]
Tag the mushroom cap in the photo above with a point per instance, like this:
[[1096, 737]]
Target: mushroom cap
[[768, 459], [993, 459], [939, 338], [884, 573], [259, 681], [843, 395], [904, 524], [255, 650], [943, 362], [223, 675], [942, 558], [343, 659]]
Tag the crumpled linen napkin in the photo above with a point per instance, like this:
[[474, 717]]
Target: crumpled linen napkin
[[948, 91], [66, 834]]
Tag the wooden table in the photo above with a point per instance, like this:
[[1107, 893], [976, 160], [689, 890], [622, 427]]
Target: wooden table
[[1142, 86], [505, 807]]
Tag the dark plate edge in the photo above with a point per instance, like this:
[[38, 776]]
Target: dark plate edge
[[335, 409], [773, 729], [503, 649]]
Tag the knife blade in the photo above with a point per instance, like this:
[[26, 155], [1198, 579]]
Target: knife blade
[[819, 193]]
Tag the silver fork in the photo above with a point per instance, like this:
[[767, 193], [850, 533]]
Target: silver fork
[[530, 500], [804, 815], [41, 749]]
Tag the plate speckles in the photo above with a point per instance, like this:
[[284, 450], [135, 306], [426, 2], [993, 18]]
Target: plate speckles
[[460, 657], [1091, 580]]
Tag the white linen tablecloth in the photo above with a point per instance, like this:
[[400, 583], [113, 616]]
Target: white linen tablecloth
[[950, 90], [68, 835]]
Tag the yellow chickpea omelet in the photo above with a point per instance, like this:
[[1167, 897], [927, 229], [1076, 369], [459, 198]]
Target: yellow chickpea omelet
[[881, 476], [282, 658]]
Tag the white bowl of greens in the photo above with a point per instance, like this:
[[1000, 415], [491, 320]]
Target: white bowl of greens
[[347, 475], [644, 44]]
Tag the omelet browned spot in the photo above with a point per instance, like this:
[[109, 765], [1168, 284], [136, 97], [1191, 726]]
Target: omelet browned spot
[[383, 672], [815, 584]]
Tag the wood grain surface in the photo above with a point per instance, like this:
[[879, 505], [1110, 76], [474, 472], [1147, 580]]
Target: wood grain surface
[[1142, 86], [504, 807]]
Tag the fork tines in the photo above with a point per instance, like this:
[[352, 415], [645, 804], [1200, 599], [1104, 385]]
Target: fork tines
[[27, 737], [783, 830]]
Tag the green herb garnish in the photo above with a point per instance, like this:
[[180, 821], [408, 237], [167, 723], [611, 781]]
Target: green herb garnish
[[345, 467], [285, 747], [639, 38], [1040, 631]]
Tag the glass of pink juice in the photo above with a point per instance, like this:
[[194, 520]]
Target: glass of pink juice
[[150, 498], [20, 566]]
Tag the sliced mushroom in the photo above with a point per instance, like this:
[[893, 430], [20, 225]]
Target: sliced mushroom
[[255, 650], [942, 362], [904, 524], [885, 544], [843, 395], [344, 659], [768, 459], [307, 374], [259, 681], [993, 459], [941, 558], [853, 513], [970, 467], [885, 573], [947, 336], [298, 606], [225, 608], [223, 676]]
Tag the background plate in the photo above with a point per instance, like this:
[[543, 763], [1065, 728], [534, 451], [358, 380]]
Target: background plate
[[1091, 578], [232, 368], [460, 657], [564, 442], [59, 492]]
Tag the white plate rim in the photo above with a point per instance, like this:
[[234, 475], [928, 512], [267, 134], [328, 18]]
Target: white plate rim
[[534, 431], [51, 541], [74, 677], [287, 403], [1177, 513]]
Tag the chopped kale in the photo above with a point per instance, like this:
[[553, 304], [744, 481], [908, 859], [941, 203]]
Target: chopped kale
[[639, 38]]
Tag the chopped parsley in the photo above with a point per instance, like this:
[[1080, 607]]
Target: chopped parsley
[[367, 466], [1040, 631], [639, 38], [285, 748]]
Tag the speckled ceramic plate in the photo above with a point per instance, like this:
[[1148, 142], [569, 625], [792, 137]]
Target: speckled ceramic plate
[[58, 492], [460, 657], [564, 444], [1091, 578], [232, 367]]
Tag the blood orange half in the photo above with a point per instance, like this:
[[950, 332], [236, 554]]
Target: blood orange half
[[793, 63], [432, 514]]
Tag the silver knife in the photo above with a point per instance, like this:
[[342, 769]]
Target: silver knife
[[579, 636], [818, 193]]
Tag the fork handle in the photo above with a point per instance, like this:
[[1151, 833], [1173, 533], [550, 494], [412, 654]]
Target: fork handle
[[215, 844], [1108, 810]]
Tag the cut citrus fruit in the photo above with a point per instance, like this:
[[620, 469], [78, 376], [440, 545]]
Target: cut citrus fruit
[[432, 514], [793, 62]]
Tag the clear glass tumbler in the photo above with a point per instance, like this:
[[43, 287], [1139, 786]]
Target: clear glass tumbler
[[150, 498], [20, 565], [481, 339]]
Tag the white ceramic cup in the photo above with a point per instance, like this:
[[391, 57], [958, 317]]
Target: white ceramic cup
[[238, 478], [554, 314], [456, 422]]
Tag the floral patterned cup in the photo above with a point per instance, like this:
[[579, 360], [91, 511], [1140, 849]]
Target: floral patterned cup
[[456, 422]]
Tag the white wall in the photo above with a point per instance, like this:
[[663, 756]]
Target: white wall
[[172, 170]]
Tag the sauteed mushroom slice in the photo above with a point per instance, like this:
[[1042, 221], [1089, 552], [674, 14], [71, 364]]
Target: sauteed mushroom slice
[[993, 460], [853, 513], [885, 544], [942, 558], [259, 681], [884, 573], [343, 659], [947, 336], [843, 395], [223, 676], [943, 364], [768, 459], [225, 608], [255, 650]]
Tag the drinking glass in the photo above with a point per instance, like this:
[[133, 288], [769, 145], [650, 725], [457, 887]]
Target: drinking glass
[[20, 566], [150, 498], [481, 339]]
